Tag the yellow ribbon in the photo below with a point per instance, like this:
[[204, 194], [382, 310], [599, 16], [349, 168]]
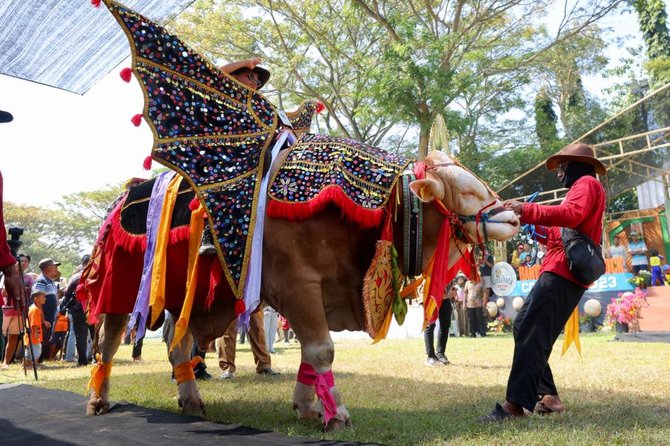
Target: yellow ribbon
[[572, 333], [157, 296], [196, 229]]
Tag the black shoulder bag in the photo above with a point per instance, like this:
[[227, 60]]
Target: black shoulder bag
[[585, 258]]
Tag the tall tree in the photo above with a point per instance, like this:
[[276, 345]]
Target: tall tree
[[653, 24], [379, 63], [436, 52]]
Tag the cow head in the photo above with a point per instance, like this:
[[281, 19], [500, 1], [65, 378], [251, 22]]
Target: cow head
[[466, 195]]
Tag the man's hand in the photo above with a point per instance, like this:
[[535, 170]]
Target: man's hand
[[12, 283], [251, 63], [514, 205], [47, 324]]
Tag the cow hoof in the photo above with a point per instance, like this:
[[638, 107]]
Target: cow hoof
[[337, 424], [96, 406], [192, 407]]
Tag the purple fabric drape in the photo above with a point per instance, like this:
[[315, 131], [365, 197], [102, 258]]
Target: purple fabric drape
[[141, 311]]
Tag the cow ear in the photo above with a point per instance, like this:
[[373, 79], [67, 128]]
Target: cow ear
[[428, 189]]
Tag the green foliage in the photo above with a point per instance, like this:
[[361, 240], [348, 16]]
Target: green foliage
[[545, 119], [63, 234], [653, 24]]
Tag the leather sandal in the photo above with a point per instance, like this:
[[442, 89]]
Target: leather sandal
[[543, 409]]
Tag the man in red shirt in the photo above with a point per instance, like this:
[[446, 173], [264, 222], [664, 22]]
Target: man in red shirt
[[556, 293]]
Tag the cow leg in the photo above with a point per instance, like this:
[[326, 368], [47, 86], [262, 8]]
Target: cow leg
[[109, 339], [180, 357], [317, 355]]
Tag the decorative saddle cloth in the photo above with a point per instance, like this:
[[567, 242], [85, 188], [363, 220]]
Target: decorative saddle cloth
[[322, 170], [208, 127]]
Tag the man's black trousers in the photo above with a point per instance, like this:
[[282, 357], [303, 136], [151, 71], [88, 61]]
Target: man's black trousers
[[536, 328]]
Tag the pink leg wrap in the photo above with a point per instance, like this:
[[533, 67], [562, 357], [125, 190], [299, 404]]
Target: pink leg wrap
[[322, 383]]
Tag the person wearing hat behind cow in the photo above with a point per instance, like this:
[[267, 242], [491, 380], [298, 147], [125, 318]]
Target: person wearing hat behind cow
[[556, 293], [638, 252], [45, 283]]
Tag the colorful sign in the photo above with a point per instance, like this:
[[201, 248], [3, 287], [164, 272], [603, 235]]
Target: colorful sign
[[503, 279], [608, 283]]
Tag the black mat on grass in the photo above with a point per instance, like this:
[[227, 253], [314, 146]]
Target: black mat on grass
[[36, 416]]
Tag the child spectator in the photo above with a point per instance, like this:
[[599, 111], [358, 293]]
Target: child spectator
[[656, 272], [35, 322], [61, 327]]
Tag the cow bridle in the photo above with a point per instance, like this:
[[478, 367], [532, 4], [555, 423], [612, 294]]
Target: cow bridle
[[480, 217]]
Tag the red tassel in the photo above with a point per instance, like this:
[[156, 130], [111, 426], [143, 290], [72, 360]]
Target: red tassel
[[147, 163], [96, 3], [194, 204], [136, 120], [239, 307], [320, 107], [126, 74]]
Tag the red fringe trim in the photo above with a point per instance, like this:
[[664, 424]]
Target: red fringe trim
[[138, 243], [365, 218], [126, 74]]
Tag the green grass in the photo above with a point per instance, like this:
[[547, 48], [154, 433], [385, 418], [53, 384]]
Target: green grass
[[619, 393]]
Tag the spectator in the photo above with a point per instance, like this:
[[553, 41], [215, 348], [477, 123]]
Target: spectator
[[655, 261], [76, 315], [46, 283], [527, 252], [485, 272], [58, 334], [638, 251], [474, 300], [270, 322], [617, 249], [286, 329], [461, 308], [225, 347], [7, 261], [11, 322], [36, 323], [444, 318], [516, 256]]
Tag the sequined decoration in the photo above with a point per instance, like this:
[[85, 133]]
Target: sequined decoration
[[211, 129], [301, 119], [364, 173]]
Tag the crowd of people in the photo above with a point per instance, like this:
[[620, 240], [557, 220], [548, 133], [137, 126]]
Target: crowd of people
[[55, 327]]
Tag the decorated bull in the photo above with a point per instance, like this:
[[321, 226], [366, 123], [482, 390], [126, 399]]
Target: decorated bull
[[324, 236]]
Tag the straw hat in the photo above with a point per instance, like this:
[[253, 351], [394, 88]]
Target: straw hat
[[579, 152]]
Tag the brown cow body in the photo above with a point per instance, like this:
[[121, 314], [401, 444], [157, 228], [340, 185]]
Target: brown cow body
[[313, 274]]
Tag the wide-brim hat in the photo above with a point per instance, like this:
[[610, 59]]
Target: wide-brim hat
[[6, 116], [582, 153], [262, 73]]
